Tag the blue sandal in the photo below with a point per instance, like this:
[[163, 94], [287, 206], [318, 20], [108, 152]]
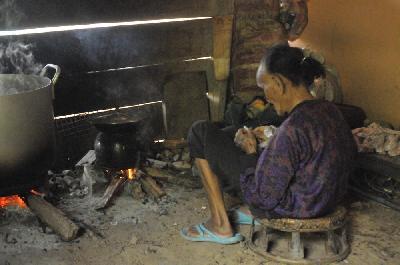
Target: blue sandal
[[206, 235], [241, 218]]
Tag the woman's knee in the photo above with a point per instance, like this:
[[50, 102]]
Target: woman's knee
[[198, 129], [197, 136]]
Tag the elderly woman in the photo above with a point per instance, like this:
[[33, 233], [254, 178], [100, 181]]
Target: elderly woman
[[302, 173]]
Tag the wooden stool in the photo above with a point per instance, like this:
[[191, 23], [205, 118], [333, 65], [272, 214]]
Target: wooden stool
[[336, 246]]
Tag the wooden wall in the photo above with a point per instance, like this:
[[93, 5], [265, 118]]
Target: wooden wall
[[79, 53]]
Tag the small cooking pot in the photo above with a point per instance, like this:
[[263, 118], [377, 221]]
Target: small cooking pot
[[117, 145]]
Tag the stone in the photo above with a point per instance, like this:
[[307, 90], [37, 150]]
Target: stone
[[181, 165]]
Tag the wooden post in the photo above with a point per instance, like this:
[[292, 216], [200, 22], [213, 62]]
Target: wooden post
[[222, 46]]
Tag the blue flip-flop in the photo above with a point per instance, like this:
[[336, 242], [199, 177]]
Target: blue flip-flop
[[206, 235], [240, 218]]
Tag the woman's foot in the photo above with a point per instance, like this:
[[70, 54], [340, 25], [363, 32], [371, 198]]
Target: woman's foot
[[242, 216], [201, 233], [219, 231]]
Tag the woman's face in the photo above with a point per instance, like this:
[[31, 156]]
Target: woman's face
[[273, 92]]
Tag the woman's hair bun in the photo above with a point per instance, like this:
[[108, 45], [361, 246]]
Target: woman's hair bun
[[293, 64]]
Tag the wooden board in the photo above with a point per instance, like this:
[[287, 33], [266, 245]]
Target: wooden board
[[90, 92], [81, 51], [42, 13], [186, 102]]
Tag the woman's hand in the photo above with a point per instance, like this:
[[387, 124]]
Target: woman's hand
[[259, 133], [246, 140]]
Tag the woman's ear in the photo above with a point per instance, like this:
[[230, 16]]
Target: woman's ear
[[280, 83]]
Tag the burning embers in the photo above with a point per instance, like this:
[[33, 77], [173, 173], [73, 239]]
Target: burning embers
[[14, 200]]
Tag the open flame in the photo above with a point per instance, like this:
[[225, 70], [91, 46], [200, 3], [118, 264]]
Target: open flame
[[129, 173], [14, 200]]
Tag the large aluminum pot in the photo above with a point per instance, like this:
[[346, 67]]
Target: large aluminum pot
[[27, 135]]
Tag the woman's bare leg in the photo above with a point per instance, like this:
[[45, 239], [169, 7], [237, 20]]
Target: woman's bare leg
[[219, 222]]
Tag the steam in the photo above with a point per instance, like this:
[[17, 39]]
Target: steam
[[17, 58]]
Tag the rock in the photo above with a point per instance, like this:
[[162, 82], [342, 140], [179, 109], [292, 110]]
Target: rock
[[66, 172], [176, 157], [163, 211], [133, 240], [157, 163], [167, 155], [186, 156], [10, 240], [68, 180], [356, 206], [182, 165]]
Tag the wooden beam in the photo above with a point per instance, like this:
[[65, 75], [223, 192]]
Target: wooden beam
[[222, 39], [81, 51]]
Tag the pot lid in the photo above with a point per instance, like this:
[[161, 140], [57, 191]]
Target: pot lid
[[118, 118]]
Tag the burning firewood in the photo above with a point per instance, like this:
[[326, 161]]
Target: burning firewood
[[149, 185], [53, 217], [117, 182]]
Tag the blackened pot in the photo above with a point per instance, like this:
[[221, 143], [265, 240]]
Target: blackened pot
[[117, 145]]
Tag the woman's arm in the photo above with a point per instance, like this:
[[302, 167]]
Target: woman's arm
[[265, 187]]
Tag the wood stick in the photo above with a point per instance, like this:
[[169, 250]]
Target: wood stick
[[175, 144], [53, 217], [161, 174], [150, 186], [117, 182]]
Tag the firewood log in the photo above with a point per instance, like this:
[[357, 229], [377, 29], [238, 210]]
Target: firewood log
[[53, 217]]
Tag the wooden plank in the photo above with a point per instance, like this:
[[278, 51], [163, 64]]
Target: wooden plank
[[109, 48], [43, 13], [90, 92], [186, 102], [81, 93]]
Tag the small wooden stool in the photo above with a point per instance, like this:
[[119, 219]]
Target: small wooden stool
[[333, 226]]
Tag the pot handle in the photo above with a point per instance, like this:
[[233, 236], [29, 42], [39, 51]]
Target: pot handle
[[56, 74]]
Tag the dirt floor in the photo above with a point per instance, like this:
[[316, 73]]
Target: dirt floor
[[145, 233]]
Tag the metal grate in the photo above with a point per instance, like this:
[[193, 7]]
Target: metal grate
[[74, 137]]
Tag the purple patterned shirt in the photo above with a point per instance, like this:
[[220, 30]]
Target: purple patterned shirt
[[304, 170]]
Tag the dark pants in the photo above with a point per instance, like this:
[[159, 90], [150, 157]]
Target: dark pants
[[214, 144]]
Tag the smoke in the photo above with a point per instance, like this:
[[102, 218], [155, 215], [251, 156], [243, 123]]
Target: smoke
[[10, 15]]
